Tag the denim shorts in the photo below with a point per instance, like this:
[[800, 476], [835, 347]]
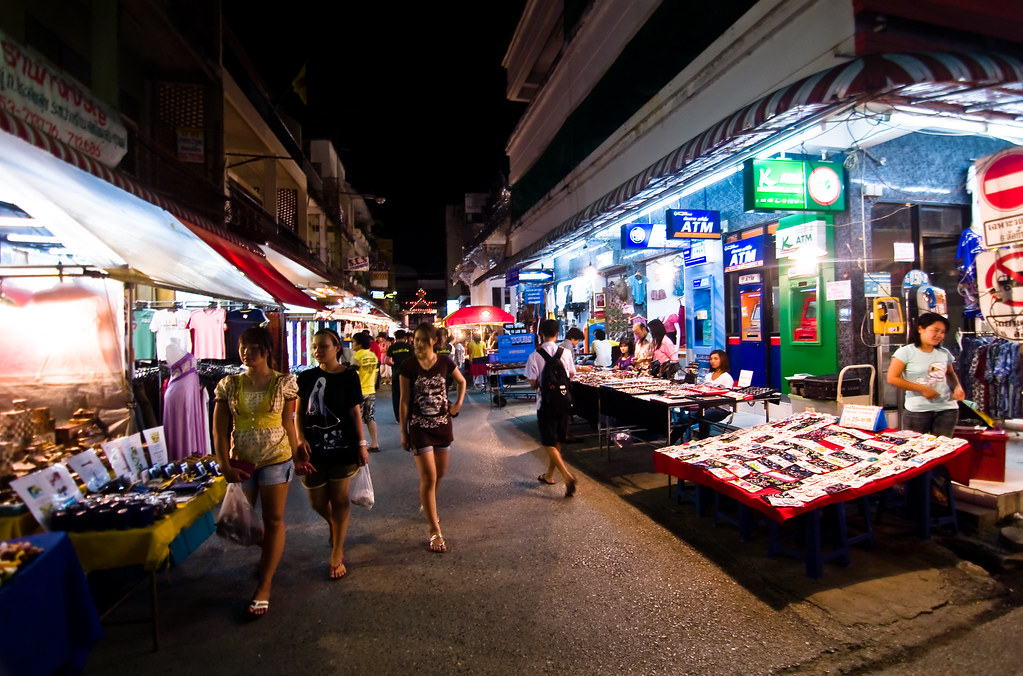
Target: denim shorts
[[270, 475]]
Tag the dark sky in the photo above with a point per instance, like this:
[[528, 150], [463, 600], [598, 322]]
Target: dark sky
[[411, 93]]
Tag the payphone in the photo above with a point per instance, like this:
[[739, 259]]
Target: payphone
[[926, 298], [888, 317]]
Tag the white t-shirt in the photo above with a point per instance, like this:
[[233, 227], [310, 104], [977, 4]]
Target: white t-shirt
[[602, 352], [926, 368], [171, 326], [723, 380], [535, 364]]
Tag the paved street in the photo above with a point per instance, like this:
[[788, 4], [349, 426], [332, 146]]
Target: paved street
[[618, 579]]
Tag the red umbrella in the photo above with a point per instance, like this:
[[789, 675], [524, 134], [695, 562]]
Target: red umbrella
[[478, 314]]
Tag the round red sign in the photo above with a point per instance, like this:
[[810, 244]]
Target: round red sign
[[1002, 182]]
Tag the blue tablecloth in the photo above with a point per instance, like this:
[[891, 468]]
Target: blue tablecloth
[[50, 621]]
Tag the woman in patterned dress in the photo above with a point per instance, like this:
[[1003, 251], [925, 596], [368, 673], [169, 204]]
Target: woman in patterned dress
[[425, 419], [261, 405]]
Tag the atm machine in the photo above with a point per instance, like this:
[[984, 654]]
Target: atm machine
[[704, 300]]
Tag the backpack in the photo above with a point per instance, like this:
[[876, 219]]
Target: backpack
[[555, 393]]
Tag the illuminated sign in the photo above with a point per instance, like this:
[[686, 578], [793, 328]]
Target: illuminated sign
[[744, 254], [692, 224], [636, 235], [793, 185]]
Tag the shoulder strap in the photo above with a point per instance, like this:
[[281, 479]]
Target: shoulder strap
[[543, 353]]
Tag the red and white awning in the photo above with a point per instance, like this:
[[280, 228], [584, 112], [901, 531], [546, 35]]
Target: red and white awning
[[967, 81]]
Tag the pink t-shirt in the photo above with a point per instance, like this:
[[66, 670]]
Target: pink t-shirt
[[671, 323], [208, 326]]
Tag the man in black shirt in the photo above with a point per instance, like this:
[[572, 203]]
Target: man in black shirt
[[399, 351]]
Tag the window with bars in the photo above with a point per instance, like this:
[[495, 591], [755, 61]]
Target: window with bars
[[287, 207]]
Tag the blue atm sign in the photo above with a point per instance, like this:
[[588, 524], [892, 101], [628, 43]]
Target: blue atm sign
[[744, 254], [692, 224]]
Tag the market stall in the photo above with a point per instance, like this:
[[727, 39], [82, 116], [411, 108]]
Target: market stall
[[804, 463]]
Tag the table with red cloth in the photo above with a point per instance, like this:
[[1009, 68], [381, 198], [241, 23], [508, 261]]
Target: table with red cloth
[[767, 467]]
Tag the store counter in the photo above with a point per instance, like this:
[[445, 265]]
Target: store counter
[[52, 623]]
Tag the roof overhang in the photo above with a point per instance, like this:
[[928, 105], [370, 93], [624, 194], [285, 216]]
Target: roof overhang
[[985, 86]]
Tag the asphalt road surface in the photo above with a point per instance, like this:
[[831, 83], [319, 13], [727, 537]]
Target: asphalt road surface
[[604, 582]]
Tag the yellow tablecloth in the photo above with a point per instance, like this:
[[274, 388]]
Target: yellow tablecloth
[[18, 526], [148, 547]]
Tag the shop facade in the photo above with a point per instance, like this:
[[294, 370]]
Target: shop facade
[[896, 132]]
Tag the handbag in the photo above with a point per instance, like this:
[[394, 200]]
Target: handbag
[[362, 489], [237, 521]]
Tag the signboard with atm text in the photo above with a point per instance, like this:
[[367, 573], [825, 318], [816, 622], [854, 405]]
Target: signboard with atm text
[[692, 224]]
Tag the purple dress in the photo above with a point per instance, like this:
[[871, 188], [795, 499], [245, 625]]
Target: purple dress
[[185, 423]]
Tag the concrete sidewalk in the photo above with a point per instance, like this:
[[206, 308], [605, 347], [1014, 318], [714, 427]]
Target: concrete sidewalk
[[618, 579]]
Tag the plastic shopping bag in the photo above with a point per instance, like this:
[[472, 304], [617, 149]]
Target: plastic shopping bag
[[362, 489], [238, 521]]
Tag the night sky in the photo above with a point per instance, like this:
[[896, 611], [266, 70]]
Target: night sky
[[412, 95]]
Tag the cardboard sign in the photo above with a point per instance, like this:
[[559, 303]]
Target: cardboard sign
[[90, 469], [156, 445], [46, 491], [863, 417], [745, 378], [116, 457]]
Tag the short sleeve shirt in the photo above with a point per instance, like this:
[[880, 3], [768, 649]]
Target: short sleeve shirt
[[261, 444], [367, 363], [535, 364], [926, 368], [326, 400]]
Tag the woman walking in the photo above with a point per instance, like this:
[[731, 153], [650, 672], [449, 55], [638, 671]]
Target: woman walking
[[330, 439], [261, 405], [426, 428]]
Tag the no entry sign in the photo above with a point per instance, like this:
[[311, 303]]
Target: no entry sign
[[1000, 197]]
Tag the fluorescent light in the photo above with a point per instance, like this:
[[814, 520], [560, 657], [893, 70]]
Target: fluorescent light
[[31, 239]]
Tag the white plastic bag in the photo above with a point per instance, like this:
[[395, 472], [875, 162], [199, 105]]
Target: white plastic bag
[[361, 493], [237, 521]]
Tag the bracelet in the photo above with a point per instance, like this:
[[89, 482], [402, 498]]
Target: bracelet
[[363, 442]]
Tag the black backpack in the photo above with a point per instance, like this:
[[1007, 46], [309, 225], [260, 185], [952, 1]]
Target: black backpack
[[555, 393]]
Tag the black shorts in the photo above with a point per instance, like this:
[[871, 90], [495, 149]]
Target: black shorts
[[553, 427]]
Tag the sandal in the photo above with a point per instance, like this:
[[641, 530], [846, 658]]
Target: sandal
[[258, 608], [339, 571], [436, 544], [374, 449], [542, 479], [569, 488]]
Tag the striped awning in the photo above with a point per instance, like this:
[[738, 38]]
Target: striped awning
[[76, 158], [969, 81]]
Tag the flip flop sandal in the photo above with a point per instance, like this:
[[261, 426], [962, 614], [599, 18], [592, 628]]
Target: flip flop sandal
[[337, 569], [436, 544], [542, 479], [258, 609]]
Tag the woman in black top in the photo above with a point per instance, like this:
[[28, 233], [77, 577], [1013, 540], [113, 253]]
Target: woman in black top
[[330, 438], [426, 420]]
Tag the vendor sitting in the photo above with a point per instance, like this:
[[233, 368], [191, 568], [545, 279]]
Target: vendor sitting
[[601, 349]]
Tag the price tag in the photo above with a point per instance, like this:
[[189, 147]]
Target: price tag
[[90, 469], [863, 417], [745, 378]]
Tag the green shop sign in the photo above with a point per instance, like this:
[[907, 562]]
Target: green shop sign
[[793, 185]]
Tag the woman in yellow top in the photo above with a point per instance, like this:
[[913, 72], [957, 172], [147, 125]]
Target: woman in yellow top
[[261, 403], [478, 360]]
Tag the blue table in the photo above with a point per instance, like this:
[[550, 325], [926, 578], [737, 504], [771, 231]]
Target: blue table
[[52, 621]]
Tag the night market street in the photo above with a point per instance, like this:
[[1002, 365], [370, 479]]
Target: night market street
[[618, 579]]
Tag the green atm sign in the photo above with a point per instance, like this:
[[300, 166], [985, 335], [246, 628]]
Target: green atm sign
[[793, 185]]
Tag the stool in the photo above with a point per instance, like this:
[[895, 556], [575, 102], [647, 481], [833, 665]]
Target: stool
[[916, 500]]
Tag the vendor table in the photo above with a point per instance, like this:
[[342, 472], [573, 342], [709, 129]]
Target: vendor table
[[644, 406], [721, 467], [167, 542], [51, 623]]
